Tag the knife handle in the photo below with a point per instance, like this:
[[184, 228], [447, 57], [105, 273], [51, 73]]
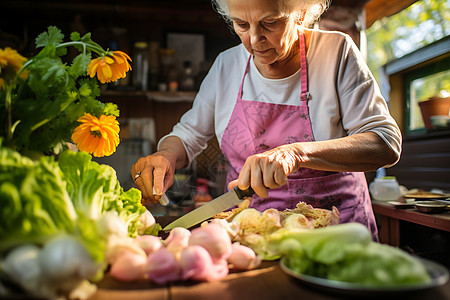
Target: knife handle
[[244, 193]]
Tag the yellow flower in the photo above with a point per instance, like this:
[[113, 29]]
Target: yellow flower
[[110, 67], [11, 58], [99, 137], [10, 63]]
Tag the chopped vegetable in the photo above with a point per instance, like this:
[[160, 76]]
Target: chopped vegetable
[[251, 227]]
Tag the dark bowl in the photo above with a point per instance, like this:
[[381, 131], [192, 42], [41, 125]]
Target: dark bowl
[[430, 206]]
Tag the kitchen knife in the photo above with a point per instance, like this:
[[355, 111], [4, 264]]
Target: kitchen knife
[[211, 208]]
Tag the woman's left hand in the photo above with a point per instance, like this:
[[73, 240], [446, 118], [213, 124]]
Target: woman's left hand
[[268, 170]]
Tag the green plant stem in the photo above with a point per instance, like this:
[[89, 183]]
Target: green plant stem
[[97, 49], [8, 89]]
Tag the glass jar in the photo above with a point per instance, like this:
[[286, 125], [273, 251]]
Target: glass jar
[[140, 66], [385, 189]]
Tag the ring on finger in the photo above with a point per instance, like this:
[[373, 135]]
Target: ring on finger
[[138, 174]]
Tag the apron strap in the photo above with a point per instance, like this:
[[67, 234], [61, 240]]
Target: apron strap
[[304, 96], [243, 77]]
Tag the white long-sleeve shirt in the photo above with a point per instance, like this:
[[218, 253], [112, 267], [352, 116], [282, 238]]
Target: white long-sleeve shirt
[[345, 98]]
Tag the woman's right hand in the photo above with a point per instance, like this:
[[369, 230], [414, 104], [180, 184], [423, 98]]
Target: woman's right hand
[[156, 170]]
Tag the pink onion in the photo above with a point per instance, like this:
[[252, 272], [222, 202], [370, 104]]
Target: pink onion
[[213, 238], [197, 264], [162, 266], [129, 266], [177, 240], [149, 243], [243, 257]]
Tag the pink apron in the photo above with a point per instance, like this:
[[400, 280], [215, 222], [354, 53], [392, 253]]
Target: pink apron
[[255, 127]]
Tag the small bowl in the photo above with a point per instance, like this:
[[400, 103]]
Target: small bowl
[[440, 121], [430, 206]]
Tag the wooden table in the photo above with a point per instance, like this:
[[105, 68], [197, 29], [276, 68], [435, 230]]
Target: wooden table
[[268, 282], [390, 217]]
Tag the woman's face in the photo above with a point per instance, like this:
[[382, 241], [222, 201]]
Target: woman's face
[[265, 31]]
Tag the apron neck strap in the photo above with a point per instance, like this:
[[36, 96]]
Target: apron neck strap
[[243, 77], [304, 96]]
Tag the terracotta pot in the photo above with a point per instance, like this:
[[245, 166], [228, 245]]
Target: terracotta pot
[[434, 106]]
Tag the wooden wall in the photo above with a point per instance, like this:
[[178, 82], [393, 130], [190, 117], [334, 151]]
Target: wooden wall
[[424, 164]]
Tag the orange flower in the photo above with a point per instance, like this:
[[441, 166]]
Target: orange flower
[[110, 67], [99, 137]]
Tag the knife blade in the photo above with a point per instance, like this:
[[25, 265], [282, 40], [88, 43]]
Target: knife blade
[[211, 208]]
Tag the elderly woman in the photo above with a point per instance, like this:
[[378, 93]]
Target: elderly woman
[[296, 111]]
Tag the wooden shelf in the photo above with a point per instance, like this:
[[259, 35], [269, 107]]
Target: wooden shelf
[[390, 218], [179, 96]]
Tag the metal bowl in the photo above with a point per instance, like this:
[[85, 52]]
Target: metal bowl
[[430, 206]]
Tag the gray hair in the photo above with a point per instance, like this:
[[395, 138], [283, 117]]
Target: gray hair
[[314, 9]]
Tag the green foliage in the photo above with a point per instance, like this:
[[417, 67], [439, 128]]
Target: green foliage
[[48, 103], [420, 24], [52, 36]]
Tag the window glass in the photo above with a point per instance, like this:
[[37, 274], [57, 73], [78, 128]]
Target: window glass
[[422, 89]]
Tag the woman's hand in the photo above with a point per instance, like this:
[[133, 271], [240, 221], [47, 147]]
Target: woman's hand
[[156, 171], [268, 170], [360, 152]]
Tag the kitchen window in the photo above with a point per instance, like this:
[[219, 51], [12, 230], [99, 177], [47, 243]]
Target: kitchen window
[[413, 78], [423, 84]]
